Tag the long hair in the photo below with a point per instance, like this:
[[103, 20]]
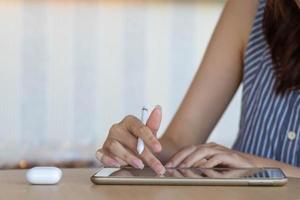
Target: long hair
[[282, 32]]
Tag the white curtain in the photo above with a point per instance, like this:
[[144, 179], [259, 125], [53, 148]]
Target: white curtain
[[70, 70]]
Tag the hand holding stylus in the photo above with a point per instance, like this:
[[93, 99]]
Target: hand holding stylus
[[120, 147]]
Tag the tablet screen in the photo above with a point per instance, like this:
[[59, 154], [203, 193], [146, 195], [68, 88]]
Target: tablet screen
[[193, 173]]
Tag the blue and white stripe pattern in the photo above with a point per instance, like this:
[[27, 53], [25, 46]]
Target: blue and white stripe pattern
[[270, 123]]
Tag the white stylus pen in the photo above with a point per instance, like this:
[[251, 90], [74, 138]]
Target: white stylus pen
[[140, 144]]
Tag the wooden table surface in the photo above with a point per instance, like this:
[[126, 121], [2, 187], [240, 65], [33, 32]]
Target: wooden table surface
[[76, 184]]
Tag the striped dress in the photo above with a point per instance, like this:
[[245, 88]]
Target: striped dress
[[270, 123]]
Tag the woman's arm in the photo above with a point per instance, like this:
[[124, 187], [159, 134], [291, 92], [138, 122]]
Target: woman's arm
[[213, 155], [216, 81], [289, 170]]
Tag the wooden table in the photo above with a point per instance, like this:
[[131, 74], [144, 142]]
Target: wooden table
[[76, 184]]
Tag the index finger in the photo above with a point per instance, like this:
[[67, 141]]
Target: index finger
[[153, 162], [147, 156], [137, 128]]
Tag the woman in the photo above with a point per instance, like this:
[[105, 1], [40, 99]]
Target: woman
[[257, 43]]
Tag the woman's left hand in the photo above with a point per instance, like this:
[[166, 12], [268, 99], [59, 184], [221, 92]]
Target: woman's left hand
[[208, 156]]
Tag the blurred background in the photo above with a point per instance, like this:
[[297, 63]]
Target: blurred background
[[70, 69]]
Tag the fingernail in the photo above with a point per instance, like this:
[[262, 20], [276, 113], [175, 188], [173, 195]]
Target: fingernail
[[138, 164], [169, 164], [157, 148], [160, 169], [115, 163], [182, 165], [158, 107]]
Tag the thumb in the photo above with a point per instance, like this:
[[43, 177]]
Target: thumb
[[154, 120]]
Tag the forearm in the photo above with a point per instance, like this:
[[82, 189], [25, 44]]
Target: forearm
[[289, 170], [217, 79]]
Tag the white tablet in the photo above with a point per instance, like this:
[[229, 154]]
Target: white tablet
[[190, 176]]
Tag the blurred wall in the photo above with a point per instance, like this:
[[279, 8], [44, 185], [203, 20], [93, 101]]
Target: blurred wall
[[70, 69]]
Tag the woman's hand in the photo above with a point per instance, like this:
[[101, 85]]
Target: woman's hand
[[208, 156], [119, 149]]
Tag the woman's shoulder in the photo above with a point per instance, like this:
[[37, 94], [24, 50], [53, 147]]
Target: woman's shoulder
[[245, 12], [246, 8]]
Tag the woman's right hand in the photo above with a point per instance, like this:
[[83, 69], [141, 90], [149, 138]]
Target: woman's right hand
[[119, 149]]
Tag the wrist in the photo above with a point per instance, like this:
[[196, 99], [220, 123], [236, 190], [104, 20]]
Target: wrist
[[261, 162]]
